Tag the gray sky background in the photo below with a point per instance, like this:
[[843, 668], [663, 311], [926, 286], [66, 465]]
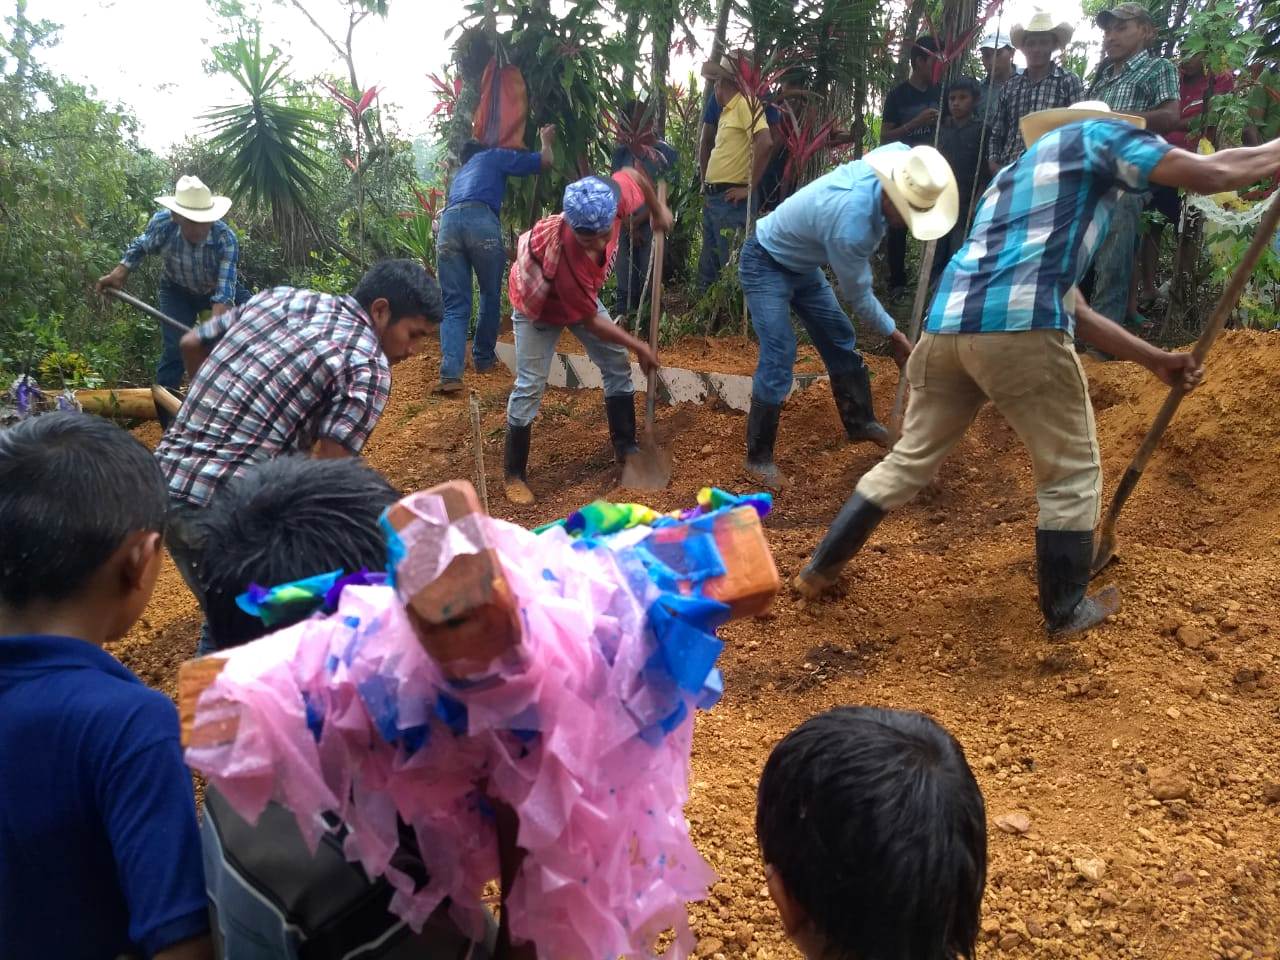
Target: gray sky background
[[148, 55]]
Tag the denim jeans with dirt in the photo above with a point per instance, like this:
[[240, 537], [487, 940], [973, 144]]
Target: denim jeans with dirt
[[536, 351], [470, 243], [772, 293], [723, 224], [1114, 262]]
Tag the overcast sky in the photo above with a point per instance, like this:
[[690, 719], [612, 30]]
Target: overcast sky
[[148, 54]]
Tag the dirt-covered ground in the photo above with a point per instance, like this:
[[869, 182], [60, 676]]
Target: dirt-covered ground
[[1135, 770]]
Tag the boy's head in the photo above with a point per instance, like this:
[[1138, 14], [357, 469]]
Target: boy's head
[[961, 97], [923, 52], [82, 506], [404, 302], [283, 520], [874, 837]]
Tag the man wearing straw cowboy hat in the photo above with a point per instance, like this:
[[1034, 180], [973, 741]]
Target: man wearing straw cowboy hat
[[838, 219], [1044, 85], [200, 253], [1000, 329]]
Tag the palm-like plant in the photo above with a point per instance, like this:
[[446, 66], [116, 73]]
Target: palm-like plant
[[268, 143]]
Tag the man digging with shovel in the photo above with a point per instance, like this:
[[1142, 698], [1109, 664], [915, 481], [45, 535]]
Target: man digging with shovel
[[1001, 329], [838, 219], [561, 265], [200, 254]]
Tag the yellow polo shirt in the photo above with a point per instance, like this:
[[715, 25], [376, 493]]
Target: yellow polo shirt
[[730, 160]]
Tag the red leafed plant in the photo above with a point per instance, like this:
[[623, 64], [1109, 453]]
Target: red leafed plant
[[634, 130], [447, 91], [954, 47], [356, 108], [804, 138]]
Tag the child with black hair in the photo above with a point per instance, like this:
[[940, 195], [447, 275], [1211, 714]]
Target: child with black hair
[[99, 850], [278, 522], [874, 838], [964, 141]]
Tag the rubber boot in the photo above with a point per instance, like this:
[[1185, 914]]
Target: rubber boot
[[620, 411], [852, 392], [515, 464], [1063, 559], [762, 434], [845, 537]]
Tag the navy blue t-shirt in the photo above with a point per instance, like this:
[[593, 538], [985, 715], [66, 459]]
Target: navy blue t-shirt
[[99, 847], [483, 178]]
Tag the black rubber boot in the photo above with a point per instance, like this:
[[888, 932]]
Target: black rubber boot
[[852, 392], [845, 537], [515, 464], [620, 411], [762, 434], [1063, 559]]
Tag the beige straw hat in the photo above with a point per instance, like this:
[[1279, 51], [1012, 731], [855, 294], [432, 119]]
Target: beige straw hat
[[922, 187]]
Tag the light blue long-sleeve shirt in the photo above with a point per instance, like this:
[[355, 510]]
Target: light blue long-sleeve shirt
[[837, 220]]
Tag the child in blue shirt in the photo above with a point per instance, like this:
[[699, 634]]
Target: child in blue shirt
[[99, 848]]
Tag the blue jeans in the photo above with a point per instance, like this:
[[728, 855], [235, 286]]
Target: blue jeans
[[772, 293], [719, 215], [184, 538], [536, 349], [184, 306], [1113, 263], [470, 241], [632, 267]]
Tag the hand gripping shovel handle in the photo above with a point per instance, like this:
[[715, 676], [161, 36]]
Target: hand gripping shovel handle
[[146, 308], [1106, 546]]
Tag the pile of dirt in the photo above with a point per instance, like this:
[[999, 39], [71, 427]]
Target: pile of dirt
[[1140, 758]]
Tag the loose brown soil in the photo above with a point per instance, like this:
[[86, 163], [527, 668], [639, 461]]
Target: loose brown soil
[[1149, 745]]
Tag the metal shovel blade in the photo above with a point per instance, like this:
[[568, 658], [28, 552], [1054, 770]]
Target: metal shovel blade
[[649, 468], [1104, 552]]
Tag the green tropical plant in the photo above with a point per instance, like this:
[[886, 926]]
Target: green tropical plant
[[269, 143]]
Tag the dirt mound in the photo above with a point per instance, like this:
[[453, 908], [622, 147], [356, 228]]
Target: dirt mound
[[1148, 745]]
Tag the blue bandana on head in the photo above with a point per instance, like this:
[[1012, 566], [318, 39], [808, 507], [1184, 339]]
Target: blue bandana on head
[[590, 205]]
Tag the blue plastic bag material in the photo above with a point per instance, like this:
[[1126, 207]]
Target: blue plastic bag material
[[395, 547], [684, 628], [452, 713], [315, 716], [379, 696]]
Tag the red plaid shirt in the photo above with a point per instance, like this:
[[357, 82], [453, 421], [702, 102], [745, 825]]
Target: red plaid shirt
[[288, 368], [533, 273]]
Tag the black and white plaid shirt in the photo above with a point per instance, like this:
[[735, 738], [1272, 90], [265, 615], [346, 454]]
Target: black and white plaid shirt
[[286, 369], [1021, 96]]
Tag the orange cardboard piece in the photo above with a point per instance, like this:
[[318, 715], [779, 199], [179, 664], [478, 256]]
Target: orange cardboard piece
[[750, 581], [194, 677]]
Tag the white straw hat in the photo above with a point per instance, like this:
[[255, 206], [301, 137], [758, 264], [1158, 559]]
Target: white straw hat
[[1043, 22], [922, 187], [1036, 125], [193, 200]]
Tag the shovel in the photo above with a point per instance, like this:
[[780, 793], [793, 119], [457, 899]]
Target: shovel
[[649, 468], [1105, 550], [165, 401]]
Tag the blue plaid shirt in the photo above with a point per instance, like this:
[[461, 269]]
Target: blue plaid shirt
[[207, 269], [1038, 227]]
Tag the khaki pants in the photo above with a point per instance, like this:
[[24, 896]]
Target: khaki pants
[[1035, 380]]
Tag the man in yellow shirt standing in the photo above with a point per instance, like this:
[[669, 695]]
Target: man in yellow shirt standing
[[739, 158]]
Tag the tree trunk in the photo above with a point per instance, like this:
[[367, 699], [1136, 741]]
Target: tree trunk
[[662, 25], [1175, 27], [859, 110], [910, 27], [717, 42], [631, 31]]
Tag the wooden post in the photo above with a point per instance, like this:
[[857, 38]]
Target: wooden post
[[477, 444]]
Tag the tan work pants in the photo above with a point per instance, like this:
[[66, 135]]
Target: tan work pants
[[1035, 380]]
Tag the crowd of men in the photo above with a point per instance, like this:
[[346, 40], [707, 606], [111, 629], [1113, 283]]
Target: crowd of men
[[256, 481]]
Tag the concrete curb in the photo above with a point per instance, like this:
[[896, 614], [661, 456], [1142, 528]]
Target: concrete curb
[[675, 385]]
